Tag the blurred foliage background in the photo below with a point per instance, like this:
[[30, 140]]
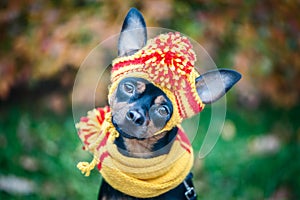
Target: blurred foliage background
[[43, 44]]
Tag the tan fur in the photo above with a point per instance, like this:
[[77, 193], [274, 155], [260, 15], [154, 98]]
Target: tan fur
[[152, 129], [120, 109], [142, 148], [141, 87], [160, 100]]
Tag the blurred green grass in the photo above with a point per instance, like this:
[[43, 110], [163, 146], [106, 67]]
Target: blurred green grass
[[238, 169], [42, 147]]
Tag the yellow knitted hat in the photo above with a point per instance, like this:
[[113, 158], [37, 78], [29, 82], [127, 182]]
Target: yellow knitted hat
[[167, 61]]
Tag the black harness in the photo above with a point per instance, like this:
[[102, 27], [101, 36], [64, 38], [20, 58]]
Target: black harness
[[190, 193]]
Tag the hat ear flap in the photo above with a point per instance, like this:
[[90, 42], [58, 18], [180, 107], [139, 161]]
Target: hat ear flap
[[133, 35], [214, 84]]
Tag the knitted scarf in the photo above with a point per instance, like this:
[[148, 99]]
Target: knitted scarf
[[138, 177]]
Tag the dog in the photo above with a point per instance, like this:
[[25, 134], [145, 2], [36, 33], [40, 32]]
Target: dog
[[141, 122]]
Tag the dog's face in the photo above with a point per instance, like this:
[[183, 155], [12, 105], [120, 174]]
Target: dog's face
[[139, 109]]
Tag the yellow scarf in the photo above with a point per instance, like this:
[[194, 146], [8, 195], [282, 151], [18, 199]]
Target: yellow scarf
[[137, 177]]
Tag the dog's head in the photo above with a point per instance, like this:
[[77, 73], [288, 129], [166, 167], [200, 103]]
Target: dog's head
[[143, 106], [139, 108]]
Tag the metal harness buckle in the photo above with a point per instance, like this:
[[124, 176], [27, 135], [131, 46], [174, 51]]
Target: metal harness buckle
[[190, 193]]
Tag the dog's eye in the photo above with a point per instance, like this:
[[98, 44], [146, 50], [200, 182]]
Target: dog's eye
[[163, 110], [129, 88]]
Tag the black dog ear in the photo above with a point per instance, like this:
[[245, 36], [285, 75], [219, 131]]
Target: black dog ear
[[133, 35], [212, 85]]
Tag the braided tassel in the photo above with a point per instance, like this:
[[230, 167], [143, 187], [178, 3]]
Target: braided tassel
[[86, 167]]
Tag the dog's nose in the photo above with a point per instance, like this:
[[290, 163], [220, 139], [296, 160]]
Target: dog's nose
[[136, 117]]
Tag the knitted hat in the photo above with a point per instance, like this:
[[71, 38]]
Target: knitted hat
[[167, 61]]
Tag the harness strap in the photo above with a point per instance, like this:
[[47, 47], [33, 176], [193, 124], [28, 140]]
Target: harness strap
[[190, 193]]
